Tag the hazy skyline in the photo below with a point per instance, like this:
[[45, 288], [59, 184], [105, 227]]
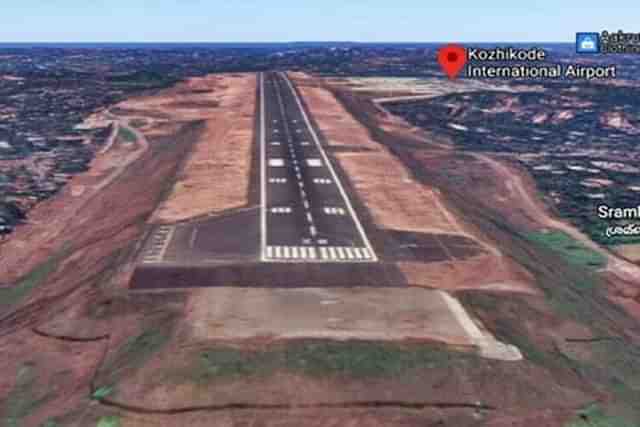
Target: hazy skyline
[[329, 20]]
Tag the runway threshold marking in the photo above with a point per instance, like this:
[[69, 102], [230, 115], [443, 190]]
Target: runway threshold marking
[[158, 244], [329, 253]]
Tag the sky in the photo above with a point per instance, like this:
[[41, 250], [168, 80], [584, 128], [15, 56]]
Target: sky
[[306, 20]]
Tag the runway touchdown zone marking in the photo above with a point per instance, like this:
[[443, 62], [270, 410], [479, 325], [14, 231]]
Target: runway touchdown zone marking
[[281, 210], [334, 211]]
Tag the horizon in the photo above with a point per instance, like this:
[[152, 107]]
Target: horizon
[[301, 42], [373, 21]]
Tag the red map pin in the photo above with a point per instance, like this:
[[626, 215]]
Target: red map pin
[[452, 58]]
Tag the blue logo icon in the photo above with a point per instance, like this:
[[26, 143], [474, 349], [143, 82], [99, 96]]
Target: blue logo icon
[[587, 42]]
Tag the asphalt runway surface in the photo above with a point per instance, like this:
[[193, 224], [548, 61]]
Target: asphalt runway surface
[[306, 215]]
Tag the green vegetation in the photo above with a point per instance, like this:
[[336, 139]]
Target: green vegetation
[[594, 416], [141, 347], [321, 358], [126, 135], [109, 421], [596, 229], [11, 296], [24, 398], [141, 80], [573, 290], [133, 353], [101, 393], [572, 250], [576, 292]]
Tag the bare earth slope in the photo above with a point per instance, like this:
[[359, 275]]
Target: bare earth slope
[[215, 176], [64, 306], [82, 350]]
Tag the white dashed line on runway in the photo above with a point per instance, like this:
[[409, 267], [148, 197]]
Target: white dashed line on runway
[[314, 163], [276, 163], [277, 180]]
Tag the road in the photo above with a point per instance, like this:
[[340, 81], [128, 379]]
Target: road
[[306, 214]]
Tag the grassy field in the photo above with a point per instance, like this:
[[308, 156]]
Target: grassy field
[[320, 358], [132, 354], [110, 421], [569, 248], [595, 416], [11, 296]]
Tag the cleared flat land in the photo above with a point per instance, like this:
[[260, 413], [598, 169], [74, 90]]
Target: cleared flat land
[[215, 177], [337, 313]]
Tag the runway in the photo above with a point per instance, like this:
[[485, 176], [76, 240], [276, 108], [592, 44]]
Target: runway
[[306, 215], [298, 230]]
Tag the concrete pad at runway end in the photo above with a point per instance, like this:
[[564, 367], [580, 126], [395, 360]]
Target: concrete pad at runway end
[[336, 313]]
